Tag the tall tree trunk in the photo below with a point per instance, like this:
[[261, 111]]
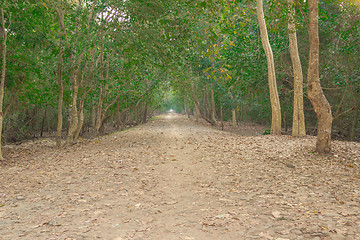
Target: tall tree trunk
[[196, 103], [120, 115], [285, 122], [99, 111], [155, 107], [213, 110], [222, 117], [102, 113], [233, 110], [3, 72], [274, 96], [185, 107], [145, 112], [101, 97], [118, 122], [81, 115], [43, 122], [93, 115], [73, 116], [206, 100], [83, 97], [233, 117], [74, 110], [205, 112], [199, 111], [196, 112], [136, 115], [80, 121], [298, 127], [355, 116], [316, 95], [354, 123], [61, 97]]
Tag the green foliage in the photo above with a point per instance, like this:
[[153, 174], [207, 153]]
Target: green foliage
[[172, 101], [267, 131], [164, 53]]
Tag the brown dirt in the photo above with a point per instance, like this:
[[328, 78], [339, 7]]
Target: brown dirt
[[174, 179]]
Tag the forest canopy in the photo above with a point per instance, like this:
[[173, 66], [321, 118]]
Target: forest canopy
[[72, 67]]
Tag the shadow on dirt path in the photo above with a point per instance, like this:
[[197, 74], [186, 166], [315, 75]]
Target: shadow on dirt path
[[173, 179]]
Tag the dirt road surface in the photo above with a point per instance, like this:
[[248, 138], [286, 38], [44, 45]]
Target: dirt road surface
[[174, 179]]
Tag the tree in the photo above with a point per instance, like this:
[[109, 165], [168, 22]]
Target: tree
[[298, 128], [117, 58], [316, 95], [61, 96], [274, 96], [3, 71]]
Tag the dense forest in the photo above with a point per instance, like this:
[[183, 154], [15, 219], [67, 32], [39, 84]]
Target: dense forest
[[73, 67]]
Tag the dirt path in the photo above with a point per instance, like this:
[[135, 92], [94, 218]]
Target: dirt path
[[173, 179]]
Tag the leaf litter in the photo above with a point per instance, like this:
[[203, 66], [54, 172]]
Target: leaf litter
[[173, 178]]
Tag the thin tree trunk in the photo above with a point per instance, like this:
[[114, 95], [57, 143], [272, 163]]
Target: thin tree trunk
[[316, 95], [233, 110], [274, 96], [75, 66], [93, 115], [213, 110], [10, 103], [197, 112], [43, 122], [298, 127], [196, 103], [355, 118], [155, 107], [206, 108], [73, 116], [80, 121], [61, 97], [88, 89], [118, 122], [99, 111], [3, 72], [126, 117], [233, 117], [354, 124], [81, 114], [48, 124], [102, 114], [201, 113], [285, 122], [222, 117], [101, 97], [185, 107], [145, 113], [135, 116], [120, 119], [204, 113], [341, 103], [74, 110]]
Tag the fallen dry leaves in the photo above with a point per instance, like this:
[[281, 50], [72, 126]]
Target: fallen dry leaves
[[174, 179]]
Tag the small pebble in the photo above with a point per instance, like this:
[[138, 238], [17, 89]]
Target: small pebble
[[20, 198], [290, 165], [54, 223], [276, 214]]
